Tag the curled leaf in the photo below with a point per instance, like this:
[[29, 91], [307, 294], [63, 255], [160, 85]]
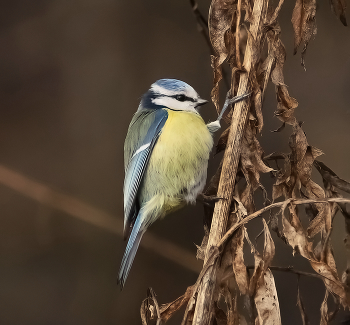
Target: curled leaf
[[339, 7], [296, 238], [304, 25], [238, 264], [220, 21], [167, 310]]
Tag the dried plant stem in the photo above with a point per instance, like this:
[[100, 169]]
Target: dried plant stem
[[204, 302], [281, 205], [288, 269]]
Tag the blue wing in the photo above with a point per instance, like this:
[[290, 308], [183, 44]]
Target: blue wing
[[139, 159]]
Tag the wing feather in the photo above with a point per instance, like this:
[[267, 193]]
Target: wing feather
[[140, 155]]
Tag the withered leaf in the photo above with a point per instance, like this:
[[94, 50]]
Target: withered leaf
[[260, 264], [220, 21], [217, 70], [297, 21], [144, 312], [269, 246], [220, 316], [266, 301], [296, 238], [298, 143], [251, 158], [239, 268], [167, 310], [304, 25], [330, 176], [257, 106], [338, 7], [324, 311], [286, 105]]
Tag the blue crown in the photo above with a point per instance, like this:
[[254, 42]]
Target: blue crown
[[172, 84]]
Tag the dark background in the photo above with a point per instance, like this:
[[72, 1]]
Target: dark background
[[71, 76]]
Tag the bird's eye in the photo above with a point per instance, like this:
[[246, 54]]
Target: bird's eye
[[181, 98]]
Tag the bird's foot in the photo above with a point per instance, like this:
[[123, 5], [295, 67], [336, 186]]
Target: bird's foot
[[209, 200]]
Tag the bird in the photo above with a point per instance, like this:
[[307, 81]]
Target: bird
[[166, 153]]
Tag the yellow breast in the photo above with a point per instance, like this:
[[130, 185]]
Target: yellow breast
[[179, 160]]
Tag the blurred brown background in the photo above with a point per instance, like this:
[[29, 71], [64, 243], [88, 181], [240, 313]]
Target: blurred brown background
[[71, 76]]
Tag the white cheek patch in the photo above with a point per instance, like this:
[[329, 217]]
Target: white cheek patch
[[174, 104]]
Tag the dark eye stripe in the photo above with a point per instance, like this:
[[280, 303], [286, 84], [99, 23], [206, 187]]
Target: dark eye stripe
[[182, 98]]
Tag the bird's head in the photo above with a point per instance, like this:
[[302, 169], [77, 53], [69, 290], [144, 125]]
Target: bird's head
[[173, 94]]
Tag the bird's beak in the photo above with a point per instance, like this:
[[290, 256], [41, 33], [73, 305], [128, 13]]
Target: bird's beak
[[201, 102]]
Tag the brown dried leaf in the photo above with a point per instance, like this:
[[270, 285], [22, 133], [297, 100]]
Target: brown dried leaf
[[144, 311], [231, 304], [331, 177], [257, 103], [303, 157], [278, 52], [323, 220], [304, 24], [286, 105], [324, 310], [251, 159], [296, 238], [266, 301], [220, 21], [220, 316], [217, 70], [283, 178], [239, 268], [297, 22], [298, 143], [260, 264], [233, 316], [167, 310], [269, 247], [339, 7]]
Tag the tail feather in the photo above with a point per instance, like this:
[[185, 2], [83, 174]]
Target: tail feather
[[130, 252]]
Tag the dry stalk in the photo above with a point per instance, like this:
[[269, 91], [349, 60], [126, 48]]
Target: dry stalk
[[203, 310]]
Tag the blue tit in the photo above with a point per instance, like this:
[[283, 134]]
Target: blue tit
[[166, 154]]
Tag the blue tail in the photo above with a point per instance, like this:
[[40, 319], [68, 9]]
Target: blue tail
[[130, 251]]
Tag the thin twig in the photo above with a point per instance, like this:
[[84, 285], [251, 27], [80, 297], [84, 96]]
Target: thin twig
[[288, 269], [281, 204]]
